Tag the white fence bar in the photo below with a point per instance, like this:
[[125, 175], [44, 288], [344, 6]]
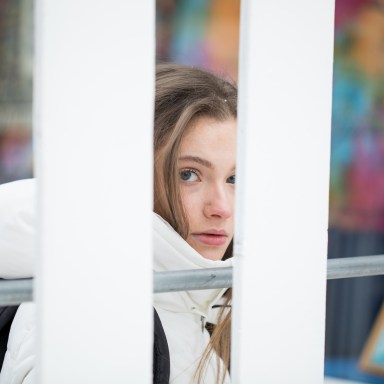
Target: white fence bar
[[93, 118], [285, 85]]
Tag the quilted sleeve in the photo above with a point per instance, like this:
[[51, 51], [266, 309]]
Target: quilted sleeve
[[17, 229], [19, 361]]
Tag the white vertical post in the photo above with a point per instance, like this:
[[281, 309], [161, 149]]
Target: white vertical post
[[93, 118], [285, 83]]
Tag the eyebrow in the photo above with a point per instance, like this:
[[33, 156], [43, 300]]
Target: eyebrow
[[198, 160]]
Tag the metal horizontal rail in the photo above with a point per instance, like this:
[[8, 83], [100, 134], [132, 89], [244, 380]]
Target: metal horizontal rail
[[189, 280], [13, 292], [355, 267]]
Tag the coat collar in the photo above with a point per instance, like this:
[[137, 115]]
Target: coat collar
[[172, 253]]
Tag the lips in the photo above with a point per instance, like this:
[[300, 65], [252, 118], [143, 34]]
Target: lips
[[211, 237]]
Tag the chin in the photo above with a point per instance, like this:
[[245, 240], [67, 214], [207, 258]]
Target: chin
[[212, 255]]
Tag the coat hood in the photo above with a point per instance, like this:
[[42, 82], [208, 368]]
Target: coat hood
[[17, 229], [171, 253]]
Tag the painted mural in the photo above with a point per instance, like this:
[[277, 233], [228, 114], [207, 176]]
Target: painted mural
[[357, 154], [204, 33]]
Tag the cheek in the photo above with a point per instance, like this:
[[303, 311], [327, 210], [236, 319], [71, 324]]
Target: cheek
[[190, 201]]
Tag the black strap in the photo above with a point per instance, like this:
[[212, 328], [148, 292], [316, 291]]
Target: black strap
[[161, 363], [6, 317]]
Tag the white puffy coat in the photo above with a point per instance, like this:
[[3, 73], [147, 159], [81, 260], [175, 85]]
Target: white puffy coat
[[17, 259], [183, 314]]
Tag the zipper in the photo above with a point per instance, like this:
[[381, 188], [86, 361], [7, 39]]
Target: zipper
[[202, 318]]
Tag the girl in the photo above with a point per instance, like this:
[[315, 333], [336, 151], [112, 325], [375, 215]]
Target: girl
[[195, 158], [194, 176]]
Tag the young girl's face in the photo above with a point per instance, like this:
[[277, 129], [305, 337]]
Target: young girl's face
[[206, 166]]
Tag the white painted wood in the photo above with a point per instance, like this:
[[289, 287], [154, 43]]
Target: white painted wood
[[93, 131], [285, 83]]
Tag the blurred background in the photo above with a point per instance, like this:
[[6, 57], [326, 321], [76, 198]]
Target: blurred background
[[16, 69], [205, 33]]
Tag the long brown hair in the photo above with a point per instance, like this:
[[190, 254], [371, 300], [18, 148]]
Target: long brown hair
[[183, 95]]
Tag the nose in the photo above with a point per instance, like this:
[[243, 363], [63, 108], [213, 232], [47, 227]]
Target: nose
[[218, 202]]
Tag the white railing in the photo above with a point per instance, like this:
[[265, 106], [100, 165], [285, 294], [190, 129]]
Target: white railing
[[93, 103], [93, 117], [284, 125]]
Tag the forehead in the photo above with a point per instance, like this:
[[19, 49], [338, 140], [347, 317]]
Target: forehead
[[210, 135]]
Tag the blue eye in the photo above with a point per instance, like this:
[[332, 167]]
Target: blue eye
[[188, 175], [231, 179]]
